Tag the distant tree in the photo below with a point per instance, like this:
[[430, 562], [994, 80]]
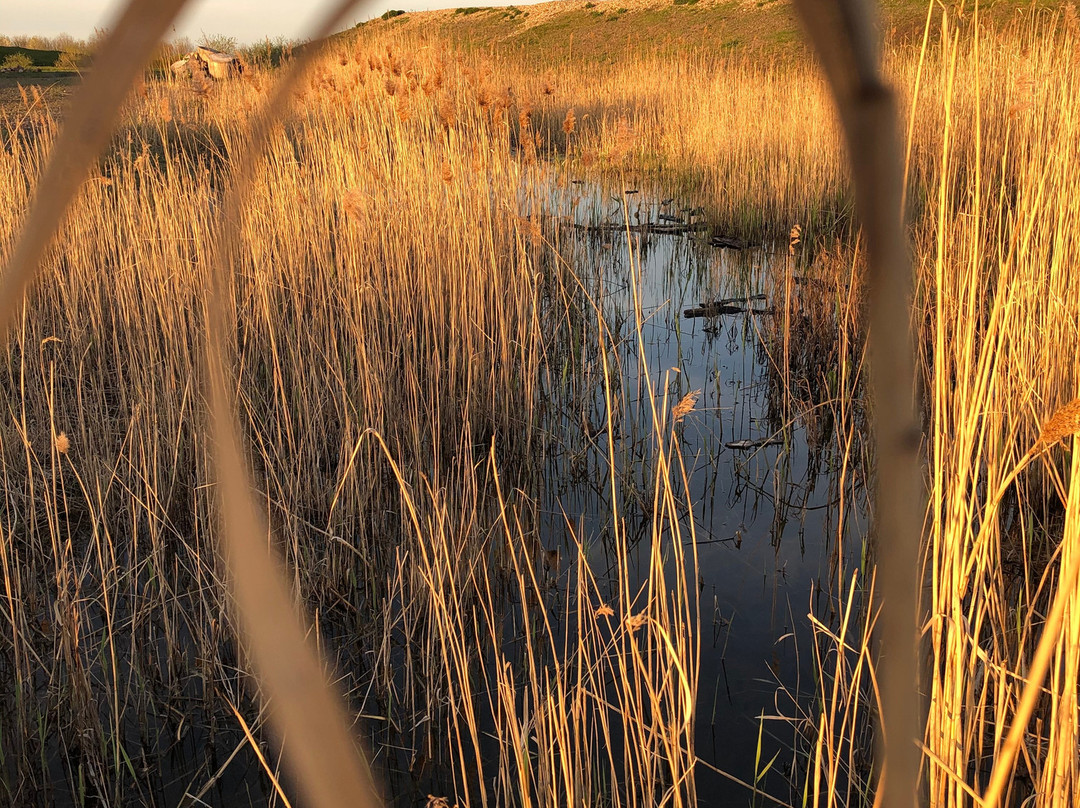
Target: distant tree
[[96, 40], [168, 52], [181, 46], [73, 57], [268, 53], [62, 42]]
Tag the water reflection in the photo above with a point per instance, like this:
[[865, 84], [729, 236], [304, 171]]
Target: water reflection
[[771, 516]]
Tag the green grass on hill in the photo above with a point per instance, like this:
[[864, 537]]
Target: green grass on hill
[[603, 31], [40, 58]]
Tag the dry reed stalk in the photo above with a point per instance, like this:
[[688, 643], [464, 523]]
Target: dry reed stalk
[[89, 124], [1064, 423], [1051, 644], [1000, 298], [133, 330], [843, 34], [321, 748]]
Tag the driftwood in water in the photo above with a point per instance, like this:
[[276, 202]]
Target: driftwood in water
[[668, 225], [730, 305], [670, 229], [712, 310], [752, 444]]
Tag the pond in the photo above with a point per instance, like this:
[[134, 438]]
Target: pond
[[773, 511]]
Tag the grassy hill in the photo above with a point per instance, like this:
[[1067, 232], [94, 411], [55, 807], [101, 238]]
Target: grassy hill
[[602, 30], [39, 58]]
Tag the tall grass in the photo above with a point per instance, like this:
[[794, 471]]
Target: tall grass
[[992, 152], [996, 310], [999, 287], [992, 118], [404, 325], [397, 301]]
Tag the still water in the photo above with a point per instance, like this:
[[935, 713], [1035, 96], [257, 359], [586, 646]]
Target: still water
[[770, 522]]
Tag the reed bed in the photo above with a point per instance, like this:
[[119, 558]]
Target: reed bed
[[398, 304], [991, 133], [999, 288], [992, 128], [992, 123], [405, 323]]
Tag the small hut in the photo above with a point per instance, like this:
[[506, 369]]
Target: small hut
[[207, 61]]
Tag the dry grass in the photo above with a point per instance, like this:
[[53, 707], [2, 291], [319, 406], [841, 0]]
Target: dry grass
[[996, 309], [402, 320], [397, 303], [991, 120]]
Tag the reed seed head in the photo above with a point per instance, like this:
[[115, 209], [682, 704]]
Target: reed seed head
[[793, 238], [636, 621], [447, 113], [353, 204], [685, 406], [1062, 424]]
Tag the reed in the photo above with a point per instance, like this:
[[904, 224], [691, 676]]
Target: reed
[[395, 304], [405, 322]]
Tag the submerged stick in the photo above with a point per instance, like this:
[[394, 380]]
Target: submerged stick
[[844, 36]]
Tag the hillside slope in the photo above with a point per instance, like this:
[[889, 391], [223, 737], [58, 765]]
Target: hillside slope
[[601, 30], [38, 58]]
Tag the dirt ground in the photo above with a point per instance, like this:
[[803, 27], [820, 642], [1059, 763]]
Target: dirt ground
[[18, 96]]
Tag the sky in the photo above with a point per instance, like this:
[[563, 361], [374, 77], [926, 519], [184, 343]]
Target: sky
[[246, 20]]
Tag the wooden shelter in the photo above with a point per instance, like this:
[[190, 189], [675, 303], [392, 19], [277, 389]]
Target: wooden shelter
[[208, 62]]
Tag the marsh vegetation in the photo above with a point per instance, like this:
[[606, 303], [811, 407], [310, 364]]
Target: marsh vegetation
[[517, 493]]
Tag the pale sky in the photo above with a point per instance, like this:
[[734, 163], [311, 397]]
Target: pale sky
[[247, 20]]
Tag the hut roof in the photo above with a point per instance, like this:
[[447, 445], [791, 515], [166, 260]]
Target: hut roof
[[213, 55]]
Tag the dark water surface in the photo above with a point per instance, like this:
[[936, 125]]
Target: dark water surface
[[766, 494]]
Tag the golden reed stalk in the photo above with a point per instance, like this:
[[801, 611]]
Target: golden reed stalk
[[321, 749]]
